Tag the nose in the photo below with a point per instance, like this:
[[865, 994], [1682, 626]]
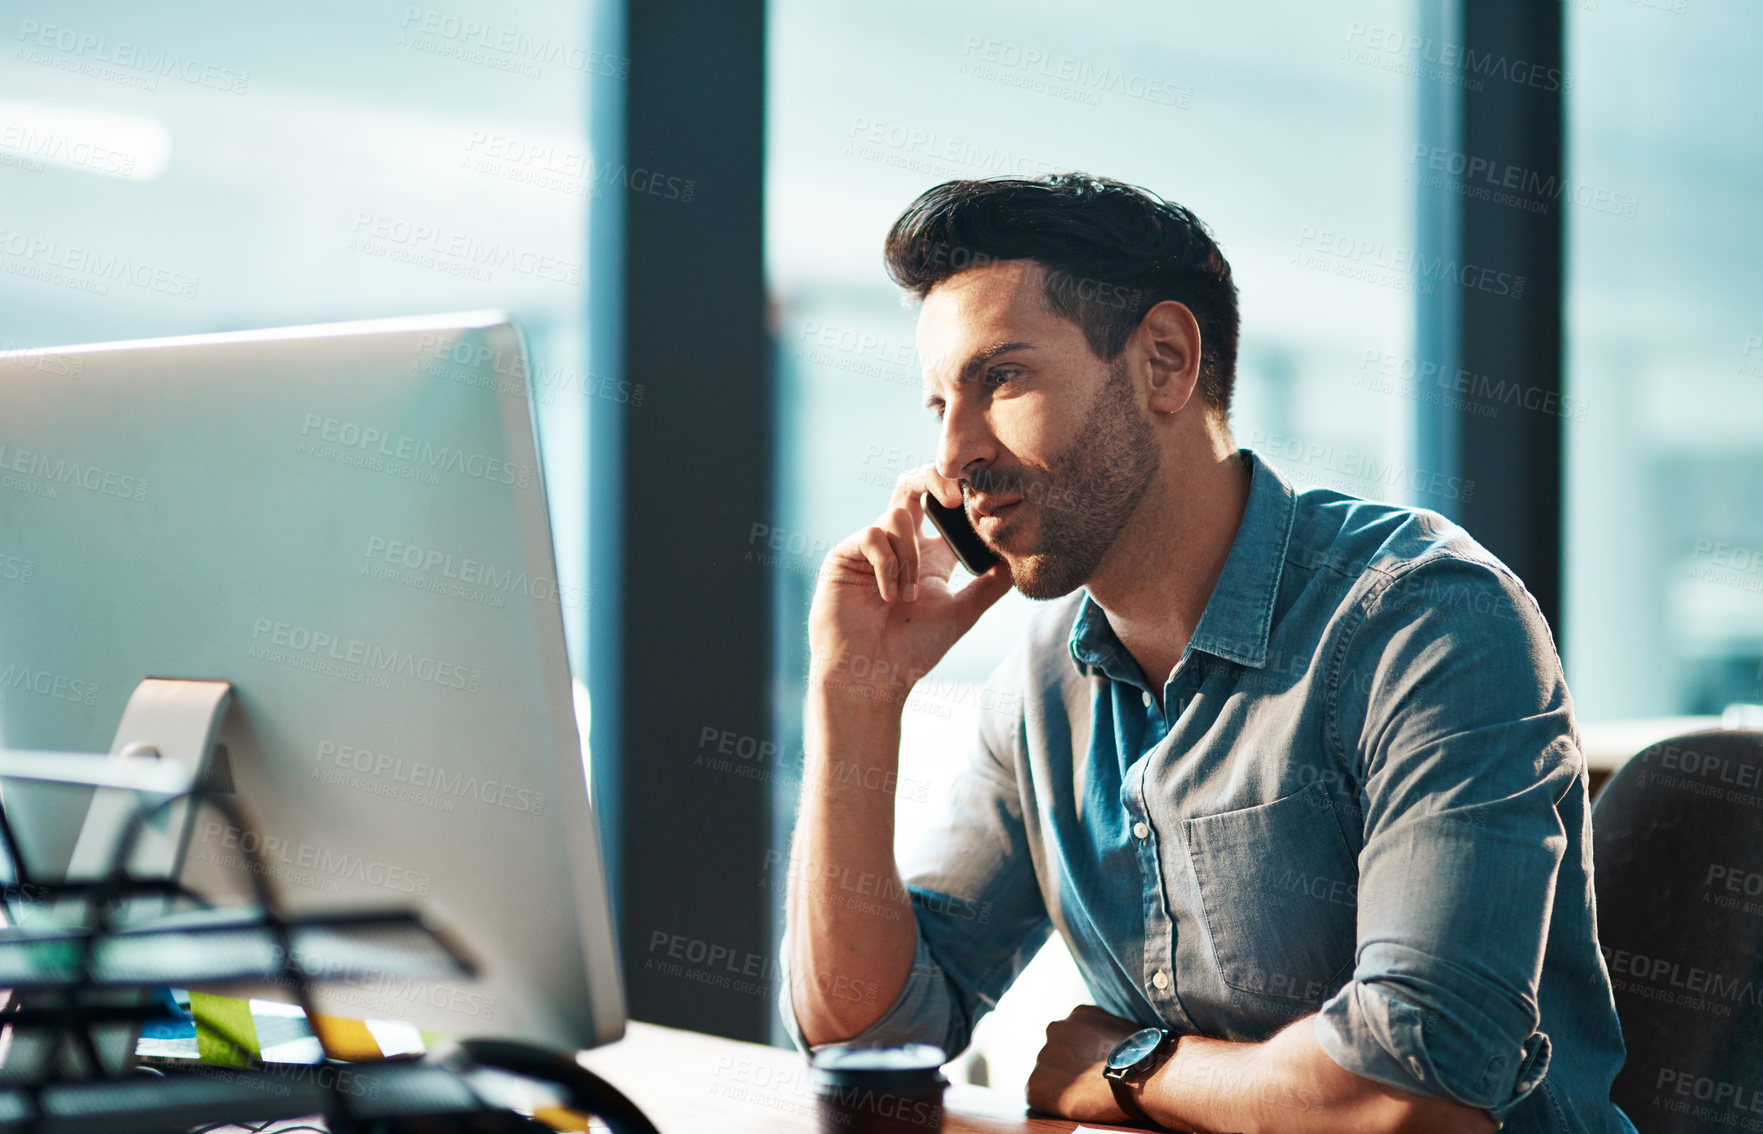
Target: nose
[[966, 442]]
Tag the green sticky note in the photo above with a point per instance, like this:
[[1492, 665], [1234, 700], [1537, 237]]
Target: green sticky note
[[225, 1033]]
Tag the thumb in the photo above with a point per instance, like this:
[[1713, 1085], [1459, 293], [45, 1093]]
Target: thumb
[[981, 594]]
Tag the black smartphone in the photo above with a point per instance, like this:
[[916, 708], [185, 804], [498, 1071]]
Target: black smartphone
[[958, 532]]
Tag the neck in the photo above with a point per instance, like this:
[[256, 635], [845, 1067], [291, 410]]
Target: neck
[[1156, 579]]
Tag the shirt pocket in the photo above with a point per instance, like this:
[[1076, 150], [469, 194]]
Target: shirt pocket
[[1279, 888]]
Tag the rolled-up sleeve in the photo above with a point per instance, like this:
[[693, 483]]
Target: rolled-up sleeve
[[1450, 702], [974, 896]]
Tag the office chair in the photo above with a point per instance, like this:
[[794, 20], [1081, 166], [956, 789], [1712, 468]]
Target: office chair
[[1677, 838]]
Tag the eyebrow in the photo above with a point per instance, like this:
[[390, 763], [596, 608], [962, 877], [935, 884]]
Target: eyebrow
[[970, 370]]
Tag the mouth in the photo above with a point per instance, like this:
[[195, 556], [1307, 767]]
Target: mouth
[[991, 506], [990, 516]]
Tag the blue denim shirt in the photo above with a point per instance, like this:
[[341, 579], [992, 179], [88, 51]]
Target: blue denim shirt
[[1359, 797]]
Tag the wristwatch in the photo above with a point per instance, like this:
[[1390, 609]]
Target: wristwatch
[[1133, 1060]]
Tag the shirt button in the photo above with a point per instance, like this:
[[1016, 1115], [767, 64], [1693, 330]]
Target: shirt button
[[1160, 980], [1140, 831], [1146, 698]]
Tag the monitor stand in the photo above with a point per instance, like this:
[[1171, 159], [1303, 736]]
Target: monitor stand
[[173, 720], [179, 720]]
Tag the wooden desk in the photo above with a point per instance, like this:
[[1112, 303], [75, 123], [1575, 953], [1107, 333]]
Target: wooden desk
[[687, 1082]]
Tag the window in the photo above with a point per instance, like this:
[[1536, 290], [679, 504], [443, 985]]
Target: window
[[1664, 517], [168, 172]]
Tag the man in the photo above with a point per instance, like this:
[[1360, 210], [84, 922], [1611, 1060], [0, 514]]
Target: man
[[1294, 775]]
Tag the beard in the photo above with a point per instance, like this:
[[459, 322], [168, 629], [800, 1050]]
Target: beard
[[1083, 497]]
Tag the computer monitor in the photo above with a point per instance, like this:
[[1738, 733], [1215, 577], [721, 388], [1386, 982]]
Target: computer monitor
[[348, 523]]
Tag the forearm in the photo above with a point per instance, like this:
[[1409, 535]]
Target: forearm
[[851, 930], [1289, 1084]]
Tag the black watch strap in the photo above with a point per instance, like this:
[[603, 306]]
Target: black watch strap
[[1125, 1085], [1128, 1101]]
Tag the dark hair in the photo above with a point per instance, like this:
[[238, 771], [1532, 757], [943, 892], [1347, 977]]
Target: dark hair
[[1112, 252]]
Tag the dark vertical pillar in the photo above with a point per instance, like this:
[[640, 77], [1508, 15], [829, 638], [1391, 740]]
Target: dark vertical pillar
[[1491, 201], [605, 566], [689, 639]]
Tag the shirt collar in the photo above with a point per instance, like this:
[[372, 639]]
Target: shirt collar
[[1239, 614]]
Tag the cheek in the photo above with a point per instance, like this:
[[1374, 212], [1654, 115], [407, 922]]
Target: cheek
[[1027, 431]]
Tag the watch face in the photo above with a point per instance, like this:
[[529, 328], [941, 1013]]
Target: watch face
[[1134, 1048]]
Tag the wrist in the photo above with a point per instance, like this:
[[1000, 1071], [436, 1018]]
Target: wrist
[[1133, 1070], [852, 680], [848, 740], [1168, 1095]]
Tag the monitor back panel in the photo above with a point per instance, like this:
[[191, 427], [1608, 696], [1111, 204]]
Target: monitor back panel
[[349, 524]]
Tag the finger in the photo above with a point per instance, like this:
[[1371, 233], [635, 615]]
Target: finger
[[900, 528], [1062, 1035], [846, 556], [914, 506], [908, 486], [940, 486], [925, 478], [1039, 1093], [935, 556], [878, 547]]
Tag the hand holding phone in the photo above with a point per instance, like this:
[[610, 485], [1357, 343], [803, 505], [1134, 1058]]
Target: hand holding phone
[[886, 598], [957, 531]]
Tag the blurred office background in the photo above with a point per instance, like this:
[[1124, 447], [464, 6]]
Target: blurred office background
[[192, 167], [727, 379]]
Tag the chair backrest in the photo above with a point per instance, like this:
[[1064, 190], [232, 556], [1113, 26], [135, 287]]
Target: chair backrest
[[1677, 838]]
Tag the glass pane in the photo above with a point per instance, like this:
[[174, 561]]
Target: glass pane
[[167, 170], [1664, 539], [1273, 122]]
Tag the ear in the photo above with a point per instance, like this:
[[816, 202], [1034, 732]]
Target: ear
[[1170, 338]]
